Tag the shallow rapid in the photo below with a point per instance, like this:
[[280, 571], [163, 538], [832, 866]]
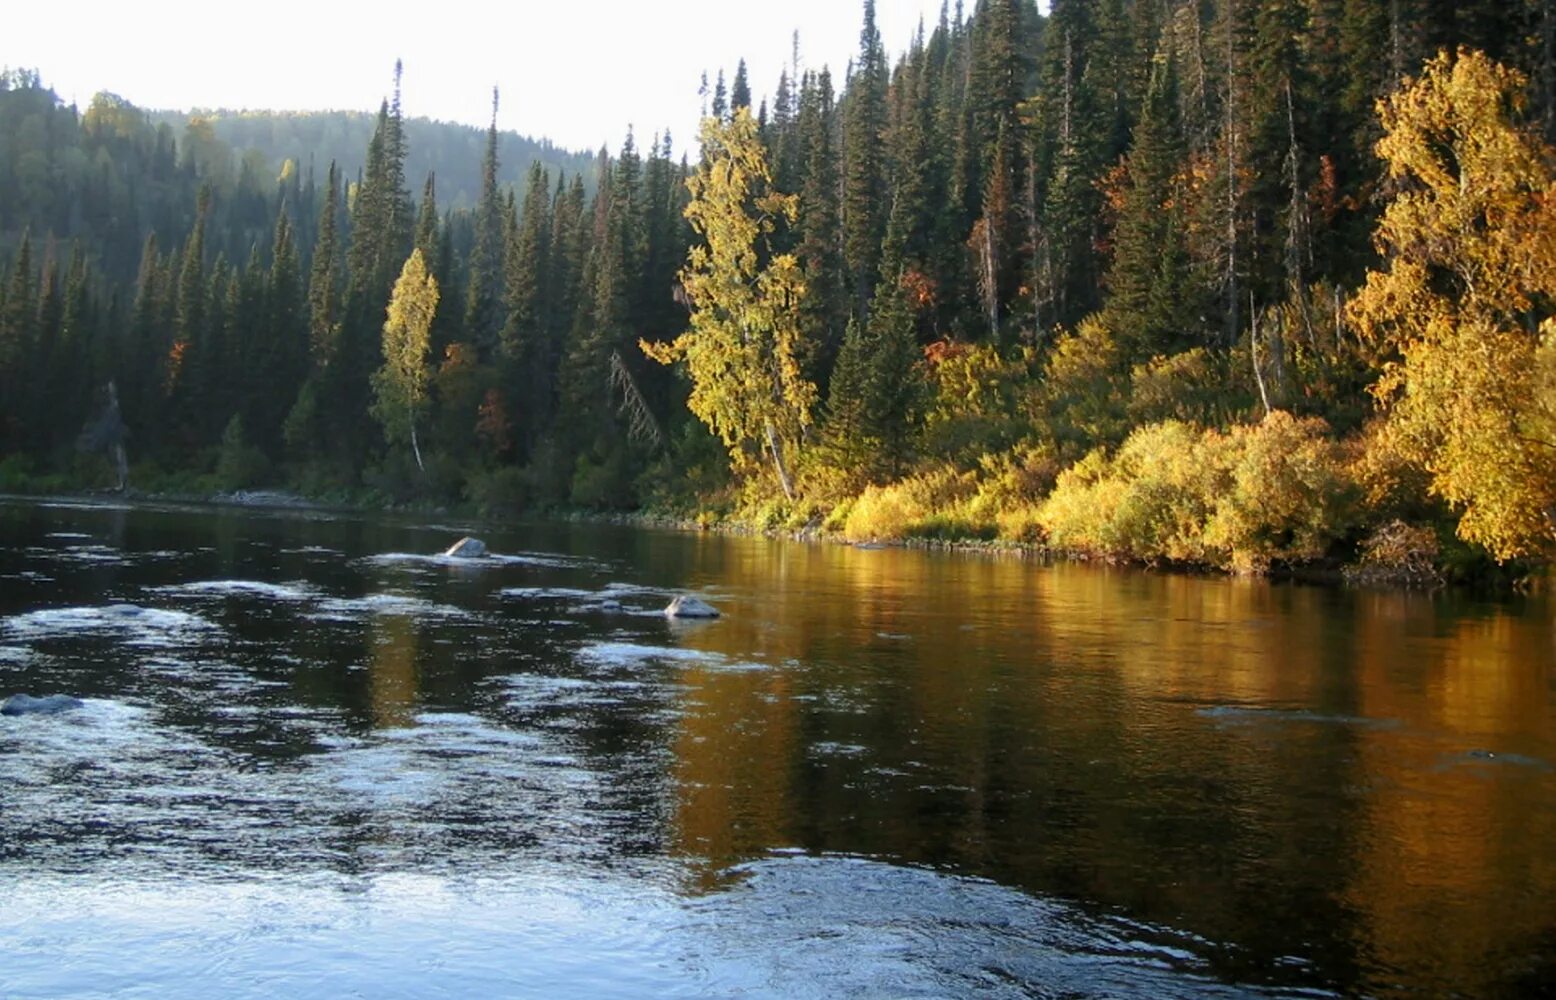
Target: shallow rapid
[[315, 758]]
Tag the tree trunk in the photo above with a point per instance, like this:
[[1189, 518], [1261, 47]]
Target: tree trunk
[[783, 473], [416, 449]]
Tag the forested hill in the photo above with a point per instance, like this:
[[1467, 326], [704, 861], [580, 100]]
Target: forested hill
[[451, 151], [1214, 282]]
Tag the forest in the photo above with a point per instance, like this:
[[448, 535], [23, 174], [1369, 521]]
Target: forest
[[1253, 286]]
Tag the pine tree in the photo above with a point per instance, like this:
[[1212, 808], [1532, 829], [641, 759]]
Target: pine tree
[[527, 350], [140, 363], [281, 356], [1071, 158]]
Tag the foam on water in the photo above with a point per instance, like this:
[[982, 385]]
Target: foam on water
[[282, 592], [634, 655], [491, 559], [93, 554], [137, 625], [389, 605]]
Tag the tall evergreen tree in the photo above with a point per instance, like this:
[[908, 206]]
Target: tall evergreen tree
[[864, 180], [483, 298], [18, 321], [325, 280], [527, 349], [1152, 306], [824, 309]]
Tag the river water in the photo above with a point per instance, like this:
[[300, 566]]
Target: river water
[[316, 760]]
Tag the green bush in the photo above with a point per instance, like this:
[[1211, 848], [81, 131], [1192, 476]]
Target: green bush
[[502, 492], [240, 465]]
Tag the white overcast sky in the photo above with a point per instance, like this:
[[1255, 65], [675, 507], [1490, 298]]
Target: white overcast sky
[[575, 72]]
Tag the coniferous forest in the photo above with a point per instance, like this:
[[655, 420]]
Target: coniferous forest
[[1249, 285]]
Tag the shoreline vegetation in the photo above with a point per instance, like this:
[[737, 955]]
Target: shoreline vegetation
[[1412, 564], [1257, 289]]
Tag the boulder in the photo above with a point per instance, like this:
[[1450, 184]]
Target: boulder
[[686, 606], [26, 704], [467, 548]]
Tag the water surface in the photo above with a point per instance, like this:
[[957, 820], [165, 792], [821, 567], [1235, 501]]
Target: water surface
[[318, 760]]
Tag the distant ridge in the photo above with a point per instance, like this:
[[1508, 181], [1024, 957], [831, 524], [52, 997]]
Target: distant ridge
[[453, 151]]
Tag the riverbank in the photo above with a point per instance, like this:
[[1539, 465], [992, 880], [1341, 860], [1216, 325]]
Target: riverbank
[[1395, 556]]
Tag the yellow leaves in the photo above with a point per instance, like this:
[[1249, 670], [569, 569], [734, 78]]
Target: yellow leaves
[[742, 347], [1271, 491], [1471, 250], [400, 386]]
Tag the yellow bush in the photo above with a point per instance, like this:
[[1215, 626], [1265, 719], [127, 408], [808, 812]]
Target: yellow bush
[[881, 513], [1275, 491], [1290, 494], [932, 503]]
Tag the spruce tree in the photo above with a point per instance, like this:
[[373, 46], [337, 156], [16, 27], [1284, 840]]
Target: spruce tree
[[864, 182], [824, 309], [325, 278], [1151, 304], [483, 299], [740, 90], [18, 318], [528, 363]]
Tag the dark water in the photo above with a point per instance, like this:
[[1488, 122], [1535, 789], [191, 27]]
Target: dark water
[[315, 762]]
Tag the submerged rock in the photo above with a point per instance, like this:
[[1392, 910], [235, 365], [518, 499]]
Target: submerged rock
[[687, 606], [26, 704], [467, 548]]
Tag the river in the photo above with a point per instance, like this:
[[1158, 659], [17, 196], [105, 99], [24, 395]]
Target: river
[[317, 760]]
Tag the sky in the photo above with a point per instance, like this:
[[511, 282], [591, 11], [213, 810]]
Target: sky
[[577, 73]]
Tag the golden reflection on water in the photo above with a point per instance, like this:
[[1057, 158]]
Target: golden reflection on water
[[1205, 752], [392, 671]]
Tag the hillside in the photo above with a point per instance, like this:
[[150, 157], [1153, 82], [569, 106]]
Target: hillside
[[452, 151]]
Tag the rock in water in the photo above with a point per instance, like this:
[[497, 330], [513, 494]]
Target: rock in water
[[26, 704], [467, 548], [691, 607]]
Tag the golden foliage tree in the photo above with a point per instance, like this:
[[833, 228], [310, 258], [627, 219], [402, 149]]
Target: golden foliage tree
[[400, 386], [742, 350], [1465, 301]]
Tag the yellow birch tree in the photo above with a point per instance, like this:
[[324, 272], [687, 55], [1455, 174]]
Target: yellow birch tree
[[400, 386], [1464, 303], [742, 348]]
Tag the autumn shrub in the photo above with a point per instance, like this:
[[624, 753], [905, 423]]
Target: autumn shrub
[[1011, 487], [1084, 386], [17, 472], [1289, 498], [1274, 491], [932, 503], [976, 399], [239, 465], [880, 513], [601, 484]]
